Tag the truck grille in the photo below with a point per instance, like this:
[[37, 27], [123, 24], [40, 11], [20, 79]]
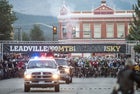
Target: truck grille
[[62, 71], [41, 75]]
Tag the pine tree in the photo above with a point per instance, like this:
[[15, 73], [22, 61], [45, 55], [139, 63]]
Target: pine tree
[[134, 31], [37, 34], [7, 18], [25, 36]]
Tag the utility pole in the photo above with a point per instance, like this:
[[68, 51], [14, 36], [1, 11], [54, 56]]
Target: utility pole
[[19, 33]]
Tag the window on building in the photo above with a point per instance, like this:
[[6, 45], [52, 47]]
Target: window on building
[[120, 30], [86, 31], [109, 30], [64, 32], [97, 30], [129, 27], [76, 31]]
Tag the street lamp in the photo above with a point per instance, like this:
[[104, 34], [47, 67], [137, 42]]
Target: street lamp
[[49, 26]]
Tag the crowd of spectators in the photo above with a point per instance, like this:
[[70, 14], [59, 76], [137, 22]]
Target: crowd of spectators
[[12, 65]]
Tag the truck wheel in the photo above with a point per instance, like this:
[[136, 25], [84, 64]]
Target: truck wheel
[[26, 88], [57, 89], [136, 87], [71, 80], [67, 81]]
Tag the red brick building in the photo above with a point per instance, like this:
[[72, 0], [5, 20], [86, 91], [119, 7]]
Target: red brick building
[[100, 25]]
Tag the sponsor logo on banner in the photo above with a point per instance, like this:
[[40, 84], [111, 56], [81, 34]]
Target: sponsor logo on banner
[[41, 48]]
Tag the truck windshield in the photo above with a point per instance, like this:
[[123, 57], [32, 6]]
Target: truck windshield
[[41, 64], [61, 62]]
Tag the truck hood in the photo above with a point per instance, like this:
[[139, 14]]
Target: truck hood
[[29, 71], [65, 66]]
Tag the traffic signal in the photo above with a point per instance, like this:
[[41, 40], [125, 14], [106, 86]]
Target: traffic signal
[[54, 30]]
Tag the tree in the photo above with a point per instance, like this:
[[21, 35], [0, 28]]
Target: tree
[[7, 18], [37, 34], [25, 36], [134, 31], [137, 48]]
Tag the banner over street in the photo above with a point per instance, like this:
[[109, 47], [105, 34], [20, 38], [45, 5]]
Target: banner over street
[[65, 48]]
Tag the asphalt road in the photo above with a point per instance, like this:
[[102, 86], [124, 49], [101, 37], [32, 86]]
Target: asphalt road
[[79, 86]]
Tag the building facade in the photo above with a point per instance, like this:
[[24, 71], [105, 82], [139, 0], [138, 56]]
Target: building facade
[[100, 25]]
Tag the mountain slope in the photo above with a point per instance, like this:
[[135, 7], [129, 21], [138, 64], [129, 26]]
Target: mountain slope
[[26, 22]]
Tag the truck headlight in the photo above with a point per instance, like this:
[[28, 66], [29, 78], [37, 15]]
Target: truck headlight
[[55, 76], [27, 76], [67, 70]]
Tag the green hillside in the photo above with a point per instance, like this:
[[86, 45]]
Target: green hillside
[[26, 22]]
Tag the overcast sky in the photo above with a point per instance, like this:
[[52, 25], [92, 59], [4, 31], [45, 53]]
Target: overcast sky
[[51, 7]]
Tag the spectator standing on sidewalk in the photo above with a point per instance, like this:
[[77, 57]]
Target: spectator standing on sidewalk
[[126, 78]]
